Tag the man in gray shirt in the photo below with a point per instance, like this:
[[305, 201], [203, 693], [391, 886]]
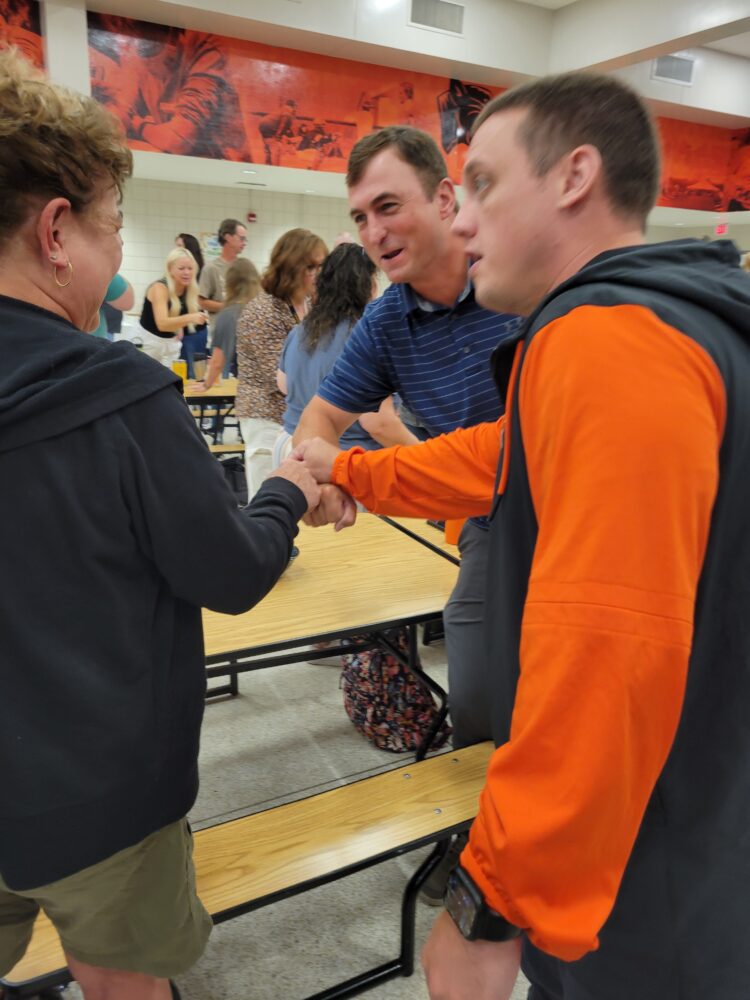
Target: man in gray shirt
[[233, 240]]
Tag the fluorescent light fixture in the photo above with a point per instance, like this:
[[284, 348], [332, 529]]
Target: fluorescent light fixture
[[249, 171]]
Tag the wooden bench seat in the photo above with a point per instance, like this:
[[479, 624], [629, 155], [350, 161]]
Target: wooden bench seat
[[227, 449], [256, 860]]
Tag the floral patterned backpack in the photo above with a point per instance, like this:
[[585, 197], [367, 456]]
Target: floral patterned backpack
[[385, 701]]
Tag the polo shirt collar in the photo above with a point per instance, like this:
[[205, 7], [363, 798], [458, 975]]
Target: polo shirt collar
[[412, 302]]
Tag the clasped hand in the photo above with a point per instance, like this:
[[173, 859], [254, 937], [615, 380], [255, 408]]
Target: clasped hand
[[310, 467]]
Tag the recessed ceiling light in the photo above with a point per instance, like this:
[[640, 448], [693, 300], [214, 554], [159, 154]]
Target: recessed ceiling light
[[309, 191], [677, 224], [249, 171]]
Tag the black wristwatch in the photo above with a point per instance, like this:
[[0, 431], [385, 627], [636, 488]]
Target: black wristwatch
[[466, 905]]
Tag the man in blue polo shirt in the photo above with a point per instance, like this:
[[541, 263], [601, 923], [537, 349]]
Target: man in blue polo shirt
[[428, 340]]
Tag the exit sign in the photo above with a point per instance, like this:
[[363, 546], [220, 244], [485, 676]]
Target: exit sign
[[721, 229]]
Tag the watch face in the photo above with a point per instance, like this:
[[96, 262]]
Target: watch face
[[461, 905]]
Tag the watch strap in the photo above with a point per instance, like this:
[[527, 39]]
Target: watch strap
[[492, 926], [471, 914]]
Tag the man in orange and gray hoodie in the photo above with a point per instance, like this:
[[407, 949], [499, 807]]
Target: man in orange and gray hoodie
[[611, 846]]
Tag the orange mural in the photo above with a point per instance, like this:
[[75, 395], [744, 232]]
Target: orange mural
[[20, 25], [182, 91], [696, 164], [738, 179]]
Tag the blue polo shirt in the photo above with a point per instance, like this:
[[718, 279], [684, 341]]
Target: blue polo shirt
[[436, 358]]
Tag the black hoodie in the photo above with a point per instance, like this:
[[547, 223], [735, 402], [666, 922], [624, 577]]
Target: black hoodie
[[118, 528]]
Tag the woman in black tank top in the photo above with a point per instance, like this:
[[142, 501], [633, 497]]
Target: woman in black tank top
[[173, 324]]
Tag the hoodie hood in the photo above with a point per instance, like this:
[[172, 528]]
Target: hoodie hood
[[706, 275], [54, 378]]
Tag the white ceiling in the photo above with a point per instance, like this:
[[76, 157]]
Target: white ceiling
[[549, 4], [737, 45], [259, 177]]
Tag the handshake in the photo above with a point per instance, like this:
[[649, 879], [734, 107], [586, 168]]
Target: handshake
[[309, 467]]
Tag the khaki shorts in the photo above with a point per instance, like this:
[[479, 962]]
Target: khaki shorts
[[137, 911]]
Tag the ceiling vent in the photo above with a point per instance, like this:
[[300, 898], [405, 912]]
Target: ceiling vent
[[252, 184], [438, 15], [673, 69]]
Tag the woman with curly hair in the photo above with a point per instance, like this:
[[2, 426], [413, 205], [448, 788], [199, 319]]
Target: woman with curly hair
[[288, 284], [346, 283]]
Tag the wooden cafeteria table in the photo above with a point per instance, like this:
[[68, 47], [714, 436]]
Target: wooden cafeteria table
[[362, 581], [219, 398], [225, 389]]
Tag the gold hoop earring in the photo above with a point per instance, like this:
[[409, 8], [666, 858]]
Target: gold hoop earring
[[70, 276]]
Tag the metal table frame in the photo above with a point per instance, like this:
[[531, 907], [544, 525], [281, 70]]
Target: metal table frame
[[359, 637], [205, 404]]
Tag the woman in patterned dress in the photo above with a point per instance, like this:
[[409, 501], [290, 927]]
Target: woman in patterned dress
[[288, 284]]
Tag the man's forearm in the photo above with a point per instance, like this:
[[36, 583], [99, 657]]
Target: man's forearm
[[315, 422], [386, 427], [451, 476], [215, 367]]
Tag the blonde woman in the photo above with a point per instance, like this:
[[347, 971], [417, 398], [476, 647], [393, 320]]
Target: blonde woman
[[288, 284], [242, 283], [171, 314]]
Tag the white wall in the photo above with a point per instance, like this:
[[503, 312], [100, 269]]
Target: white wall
[[66, 51], [738, 234], [719, 85], [611, 33], [498, 34], [155, 211]]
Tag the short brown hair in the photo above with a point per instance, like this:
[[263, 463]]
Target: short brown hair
[[413, 146], [291, 253], [228, 227], [54, 143], [241, 282], [574, 109]]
